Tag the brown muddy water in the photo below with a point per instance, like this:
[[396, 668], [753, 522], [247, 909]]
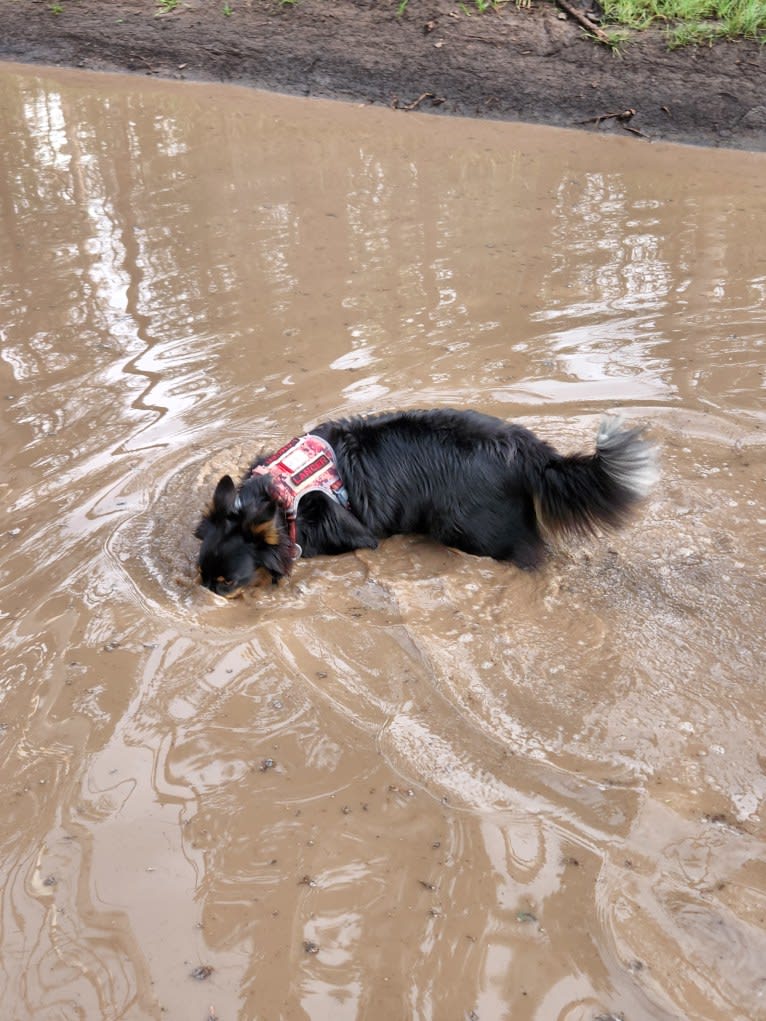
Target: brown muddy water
[[410, 783]]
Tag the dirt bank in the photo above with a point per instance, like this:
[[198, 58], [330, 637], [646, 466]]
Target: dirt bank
[[514, 64]]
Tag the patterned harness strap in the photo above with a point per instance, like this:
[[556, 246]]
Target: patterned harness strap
[[304, 465]]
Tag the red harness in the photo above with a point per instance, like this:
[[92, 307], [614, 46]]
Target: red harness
[[304, 465]]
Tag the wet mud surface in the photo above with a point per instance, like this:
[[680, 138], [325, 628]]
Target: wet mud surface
[[530, 64], [410, 783]]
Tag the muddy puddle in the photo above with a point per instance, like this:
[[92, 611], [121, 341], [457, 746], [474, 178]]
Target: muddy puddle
[[411, 783]]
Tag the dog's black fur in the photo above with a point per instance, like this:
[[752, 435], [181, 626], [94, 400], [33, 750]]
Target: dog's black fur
[[465, 479]]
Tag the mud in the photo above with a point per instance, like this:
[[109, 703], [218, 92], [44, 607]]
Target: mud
[[528, 63], [410, 783]]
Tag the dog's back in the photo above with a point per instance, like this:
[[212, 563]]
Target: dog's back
[[485, 485]]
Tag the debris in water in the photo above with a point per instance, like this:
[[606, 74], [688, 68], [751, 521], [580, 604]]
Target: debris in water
[[202, 972]]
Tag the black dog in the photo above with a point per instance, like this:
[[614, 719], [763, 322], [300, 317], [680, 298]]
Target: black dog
[[466, 480]]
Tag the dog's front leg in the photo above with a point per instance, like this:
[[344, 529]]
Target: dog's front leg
[[335, 530]]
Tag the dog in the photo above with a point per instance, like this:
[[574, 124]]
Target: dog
[[467, 480]]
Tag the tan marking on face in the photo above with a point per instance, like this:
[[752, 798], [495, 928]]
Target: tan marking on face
[[267, 530]]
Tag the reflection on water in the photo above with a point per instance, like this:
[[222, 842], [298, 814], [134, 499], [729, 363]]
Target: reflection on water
[[410, 783]]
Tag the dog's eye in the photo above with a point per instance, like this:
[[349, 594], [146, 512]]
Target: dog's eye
[[220, 580]]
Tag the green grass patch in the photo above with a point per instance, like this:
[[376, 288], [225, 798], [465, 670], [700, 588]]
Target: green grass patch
[[687, 21], [692, 21]]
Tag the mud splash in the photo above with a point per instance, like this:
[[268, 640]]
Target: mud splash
[[411, 783]]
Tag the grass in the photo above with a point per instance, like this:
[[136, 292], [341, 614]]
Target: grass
[[692, 21], [687, 21], [616, 38]]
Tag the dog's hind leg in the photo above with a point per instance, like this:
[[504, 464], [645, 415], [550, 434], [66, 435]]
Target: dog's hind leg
[[509, 532], [519, 543], [528, 553]]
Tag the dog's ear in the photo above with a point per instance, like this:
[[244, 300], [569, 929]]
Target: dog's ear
[[223, 497], [221, 506]]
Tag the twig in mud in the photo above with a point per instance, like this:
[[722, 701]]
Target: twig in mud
[[584, 21], [152, 69], [621, 116], [416, 102], [635, 131]]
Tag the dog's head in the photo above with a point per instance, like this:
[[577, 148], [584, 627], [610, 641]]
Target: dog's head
[[243, 535]]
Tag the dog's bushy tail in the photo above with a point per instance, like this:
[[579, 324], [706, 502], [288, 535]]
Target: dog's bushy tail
[[583, 492]]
